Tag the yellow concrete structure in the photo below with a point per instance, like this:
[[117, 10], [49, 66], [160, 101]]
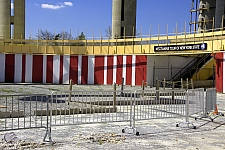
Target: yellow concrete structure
[[205, 72], [215, 43]]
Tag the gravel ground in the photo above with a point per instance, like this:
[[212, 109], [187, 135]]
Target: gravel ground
[[154, 134]]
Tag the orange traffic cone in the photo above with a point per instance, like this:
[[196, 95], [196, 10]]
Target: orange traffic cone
[[216, 110]]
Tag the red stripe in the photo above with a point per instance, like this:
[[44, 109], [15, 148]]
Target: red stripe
[[84, 70], [129, 70], [219, 72], [61, 70], [74, 68], [109, 69], [37, 71], [23, 68], [140, 69], [49, 69], [119, 69], [99, 70], [9, 67]]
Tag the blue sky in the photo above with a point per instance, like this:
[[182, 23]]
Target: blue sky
[[90, 16]]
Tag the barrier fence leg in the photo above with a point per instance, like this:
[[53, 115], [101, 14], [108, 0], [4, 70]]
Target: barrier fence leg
[[143, 87], [70, 89], [182, 86], [122, 86], [157, 89], [187, 84], [114, 97], [49, 122], [192, 84], [132, 117], [173, 91], [164, 84], [187, 109]]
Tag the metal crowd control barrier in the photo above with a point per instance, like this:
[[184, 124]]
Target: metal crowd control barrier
[[196, 102], [86, 107], [210, 105], [194, 105], [24, 112], [157, 104]]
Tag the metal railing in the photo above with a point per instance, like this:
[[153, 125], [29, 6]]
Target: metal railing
[[87, 107], [83, 107], [24, 112]]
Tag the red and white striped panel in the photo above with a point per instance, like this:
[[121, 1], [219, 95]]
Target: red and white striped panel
[[59, 69], [220, 72]]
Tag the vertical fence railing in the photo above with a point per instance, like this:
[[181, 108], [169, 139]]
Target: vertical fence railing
[[23, 111], [157, 104], [211, 101], [196, 101], [86, 107], [90, 107]]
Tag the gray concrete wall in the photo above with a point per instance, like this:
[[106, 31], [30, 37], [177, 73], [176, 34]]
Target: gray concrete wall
[[207, 13], [19, 19], [123, 18], [220, 9], [5, 8], [163, 65]]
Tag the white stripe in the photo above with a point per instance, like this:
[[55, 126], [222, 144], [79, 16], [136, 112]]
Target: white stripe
[[44, 68], [133, 69], [18, 68], [124, 68], [2, 67], [105, 70], [29, 67], [66, 69], [91, 69], [56, 68], [223, 73], [114, 68], [79, 68]]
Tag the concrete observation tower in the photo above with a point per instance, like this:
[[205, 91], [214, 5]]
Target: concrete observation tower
[[12, 19], [208, 14], [123, 18]]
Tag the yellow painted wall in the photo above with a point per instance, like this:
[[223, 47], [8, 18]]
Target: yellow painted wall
[[215, 42]]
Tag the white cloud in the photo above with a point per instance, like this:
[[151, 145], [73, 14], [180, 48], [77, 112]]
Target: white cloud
[[49, 6], [58, 6], [68, 3], [12, 6]]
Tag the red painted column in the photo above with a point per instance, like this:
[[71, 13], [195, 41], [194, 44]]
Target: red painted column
[[119, 70], [84, 70], [219, 71], [74, 69], [23, 68], [37, 71], [140, 69], [9, 68], [61, 70], [49, 69], [99, 70], [129, 70], [109, 69]]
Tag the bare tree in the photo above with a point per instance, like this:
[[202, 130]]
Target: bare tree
[[45, 35], [108, 32], [65, 36]]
